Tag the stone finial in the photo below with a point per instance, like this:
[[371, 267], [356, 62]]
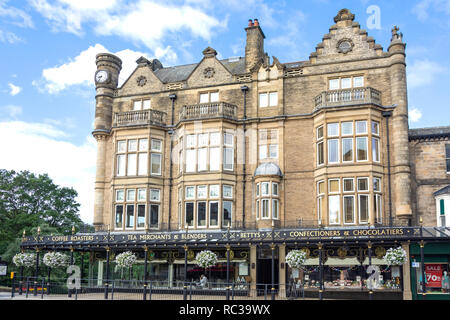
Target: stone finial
[[344, 15], [209, 52], [396, 35]]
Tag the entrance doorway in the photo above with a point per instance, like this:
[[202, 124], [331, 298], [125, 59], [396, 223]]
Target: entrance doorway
[[264, 270]]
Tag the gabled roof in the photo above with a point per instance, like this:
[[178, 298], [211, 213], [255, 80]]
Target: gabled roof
[[443, 191]]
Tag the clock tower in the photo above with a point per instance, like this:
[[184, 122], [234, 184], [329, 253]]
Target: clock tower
[[106, 81]]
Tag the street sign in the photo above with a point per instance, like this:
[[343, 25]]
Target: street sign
[[3, 269], [415, 264]]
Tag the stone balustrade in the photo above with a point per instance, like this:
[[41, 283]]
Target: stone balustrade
[[345, 97], [140, 117], [208, 110]]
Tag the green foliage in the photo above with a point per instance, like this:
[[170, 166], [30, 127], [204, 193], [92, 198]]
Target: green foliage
[[28, 201]]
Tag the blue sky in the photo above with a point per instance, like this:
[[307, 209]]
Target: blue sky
[[48, 47]]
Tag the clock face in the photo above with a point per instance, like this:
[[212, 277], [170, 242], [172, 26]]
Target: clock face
[[101, 76]]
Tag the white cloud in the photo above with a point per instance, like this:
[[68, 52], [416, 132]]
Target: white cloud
[[15, 16], [9, 37], [81, 70], [423, 73], [143, 22], [415, 115], [15, 90], [42, 148]]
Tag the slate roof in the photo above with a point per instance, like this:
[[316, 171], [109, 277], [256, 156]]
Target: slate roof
[[445, 190], [235, 65], [182, 73], [424, 133]]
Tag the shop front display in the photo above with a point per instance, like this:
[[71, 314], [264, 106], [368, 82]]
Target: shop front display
[[436, 270]]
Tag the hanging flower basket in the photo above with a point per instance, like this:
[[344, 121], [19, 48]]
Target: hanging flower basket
[[125, 260], [55, 260], [26, 260], [206, 259], [395, 257], [296, 259]]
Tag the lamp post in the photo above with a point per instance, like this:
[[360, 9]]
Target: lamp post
[[145, 271], [228, 262], [185, 265], [107, 273], [37, 264], [69, 294], [422, 260], [272, 247], [369, 246], [320, 246]]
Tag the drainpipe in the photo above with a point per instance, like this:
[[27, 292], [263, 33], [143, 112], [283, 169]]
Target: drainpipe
[[171, 132], [387, 115], [244, 178]]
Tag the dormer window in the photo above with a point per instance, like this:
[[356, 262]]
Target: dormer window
[[143, 104]]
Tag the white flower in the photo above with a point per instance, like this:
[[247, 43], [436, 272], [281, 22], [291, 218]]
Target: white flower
[[125, 259], [26, 260], [206, 259], [395, 257], [296, 258], [55, 259]]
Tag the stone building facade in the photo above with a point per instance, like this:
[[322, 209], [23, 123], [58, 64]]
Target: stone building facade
[[430, 165], [253, 158], [254, 142]]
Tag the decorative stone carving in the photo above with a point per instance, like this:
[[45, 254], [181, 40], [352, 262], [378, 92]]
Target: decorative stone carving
[[345, 46], [209, 72], [141, 81], [343, 15], [396, 35]]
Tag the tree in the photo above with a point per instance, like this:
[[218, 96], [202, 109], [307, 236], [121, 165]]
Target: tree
[[28, 201]]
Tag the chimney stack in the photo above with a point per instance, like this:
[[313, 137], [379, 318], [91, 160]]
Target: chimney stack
[[254, 49]]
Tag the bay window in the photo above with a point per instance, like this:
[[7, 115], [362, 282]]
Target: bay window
[[353, 198], [348, 142], [267, 201], [206, 152], [133, 155], [205, 208]]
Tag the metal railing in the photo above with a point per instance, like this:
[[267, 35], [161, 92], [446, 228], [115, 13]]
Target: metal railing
[[344, 97], [95, 289], [140, 117], [208, 110], [98, 289]]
